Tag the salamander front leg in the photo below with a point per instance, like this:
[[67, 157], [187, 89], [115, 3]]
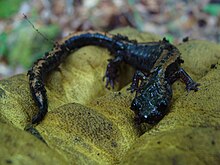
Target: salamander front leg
[[190, 84], [138, 75], [112, 71]]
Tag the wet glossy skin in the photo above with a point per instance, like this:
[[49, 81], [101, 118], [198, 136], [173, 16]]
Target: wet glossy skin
[[152, 99], [157, 65], [154, 94]]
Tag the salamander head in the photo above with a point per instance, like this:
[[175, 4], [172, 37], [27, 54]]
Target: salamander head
[[150, 110]]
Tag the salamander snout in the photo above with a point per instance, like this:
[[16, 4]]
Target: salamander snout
[[149, 111]]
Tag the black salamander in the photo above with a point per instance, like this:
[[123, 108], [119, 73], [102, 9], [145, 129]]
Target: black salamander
[[157, 66], [153, 95]]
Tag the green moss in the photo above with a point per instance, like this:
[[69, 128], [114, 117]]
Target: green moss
[[213, 9], [24, 41], [9, 7], [20, 148], [3, 41]]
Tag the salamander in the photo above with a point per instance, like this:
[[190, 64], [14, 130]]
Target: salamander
[[157, 66], [153, 96]]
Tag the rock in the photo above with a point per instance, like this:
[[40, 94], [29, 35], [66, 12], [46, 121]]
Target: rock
[[198, 56], [176, 146], [16, 103], [19, 147], [88, 124]]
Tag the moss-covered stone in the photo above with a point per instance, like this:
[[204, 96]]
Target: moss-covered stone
[[176, 146], [89, 124], [198, 56], [16, 104], [19, 148]]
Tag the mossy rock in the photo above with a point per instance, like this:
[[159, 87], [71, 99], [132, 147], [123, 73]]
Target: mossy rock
[[19, 147], [199, 56], [88, 124]]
